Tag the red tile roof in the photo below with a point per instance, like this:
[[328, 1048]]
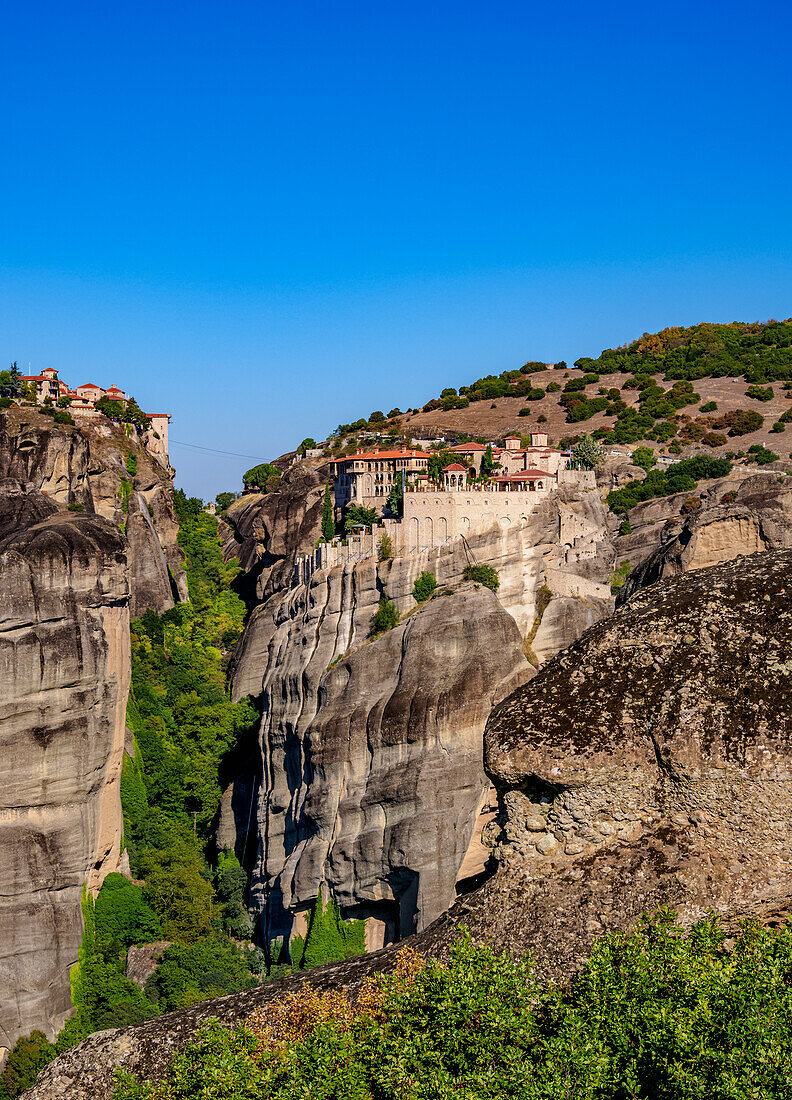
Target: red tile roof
[[525, 475], [88, 386], [150, 416], [455, 466], [365, 456], [468, 447]]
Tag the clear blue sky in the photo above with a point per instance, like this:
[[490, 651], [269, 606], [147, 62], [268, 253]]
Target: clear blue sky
[[271, 217]]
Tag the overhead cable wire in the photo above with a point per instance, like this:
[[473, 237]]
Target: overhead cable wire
[[215, 451]]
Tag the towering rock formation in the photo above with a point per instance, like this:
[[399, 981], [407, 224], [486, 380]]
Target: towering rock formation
[[89, 466], [64, 676], [69, 580], [370, 751], [268, 530]]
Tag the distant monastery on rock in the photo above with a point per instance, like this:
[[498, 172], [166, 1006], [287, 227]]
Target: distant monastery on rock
[[83, 401]]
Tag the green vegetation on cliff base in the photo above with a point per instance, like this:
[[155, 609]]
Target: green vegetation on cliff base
[[329, 938], [656, 1014]]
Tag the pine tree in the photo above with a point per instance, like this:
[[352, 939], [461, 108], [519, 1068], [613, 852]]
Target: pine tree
[[328, 523]]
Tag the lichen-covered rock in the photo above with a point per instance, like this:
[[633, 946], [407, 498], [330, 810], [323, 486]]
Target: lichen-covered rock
[[657, 753], [64, 676]]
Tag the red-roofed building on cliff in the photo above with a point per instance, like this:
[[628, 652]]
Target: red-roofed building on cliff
[[366, 478]]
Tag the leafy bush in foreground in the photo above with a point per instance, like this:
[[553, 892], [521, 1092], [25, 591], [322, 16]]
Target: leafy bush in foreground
[[656, 1013]]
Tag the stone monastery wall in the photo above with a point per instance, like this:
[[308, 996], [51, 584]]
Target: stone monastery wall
[[435, 518]]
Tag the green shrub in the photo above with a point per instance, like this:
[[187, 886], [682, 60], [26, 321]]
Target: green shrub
[[265, 476], [358, 516], [122, 913], [524, 412], [760, 393], [24, 1063], [778, 427], [131, 464], [483, 574], [124, 493], [424, 586], [553, 387], [761, 455], [710, 407], [385, 548], [645, 457], [620, 576], [75, 506], [386, 618], [6, 403], [680, 477], [188, 974], [656, 1013]]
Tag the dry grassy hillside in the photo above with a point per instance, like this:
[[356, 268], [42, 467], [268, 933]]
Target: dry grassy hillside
[[493, 419]]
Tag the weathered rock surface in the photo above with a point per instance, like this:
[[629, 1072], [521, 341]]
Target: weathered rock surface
[[142, 960], [734, 517], [64, 676], [349, 728], [86, 466], [268, 530], [373, 771], [657, 755]]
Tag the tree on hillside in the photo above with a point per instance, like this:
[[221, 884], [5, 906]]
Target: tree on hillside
[[222, 500], [328, 523], [307, 445]]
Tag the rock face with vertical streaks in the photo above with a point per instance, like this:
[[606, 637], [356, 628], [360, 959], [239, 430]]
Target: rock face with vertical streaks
[[371, 751], [64, 676], [86, 466]]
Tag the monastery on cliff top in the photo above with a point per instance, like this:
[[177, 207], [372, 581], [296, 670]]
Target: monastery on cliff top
[[83, 401], [457, 507]]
